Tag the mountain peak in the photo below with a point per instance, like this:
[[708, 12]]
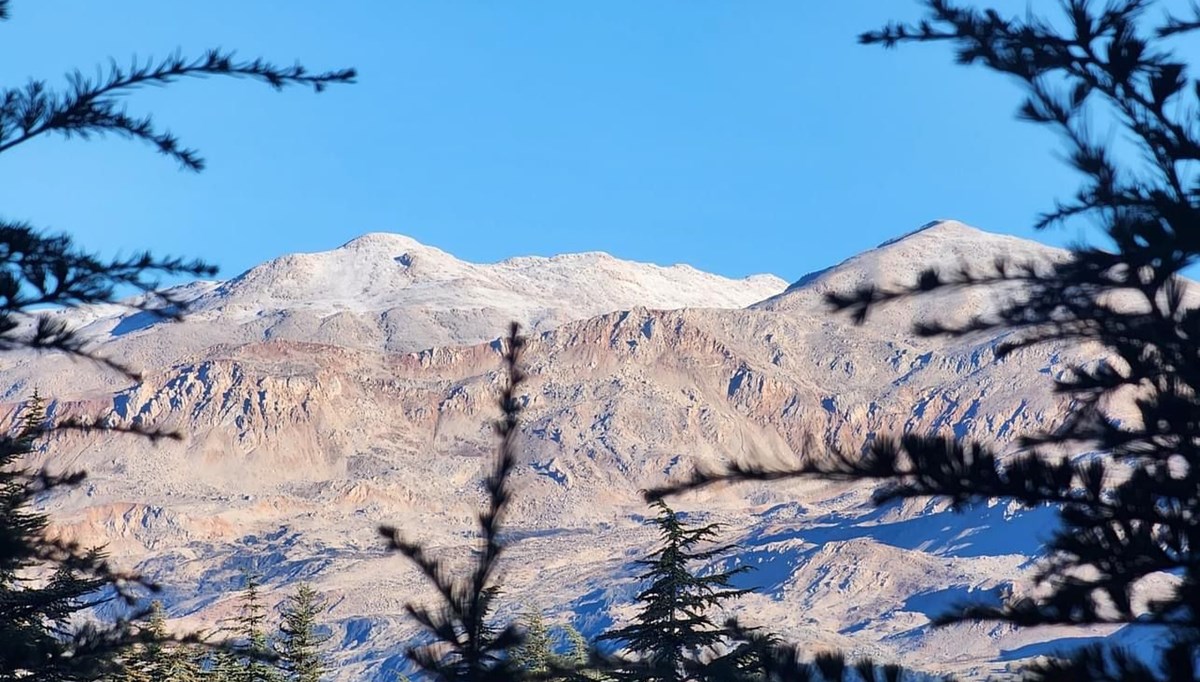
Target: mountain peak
[[936, 244], [384, 241], [362, 288], [940, 229], [323, 386]]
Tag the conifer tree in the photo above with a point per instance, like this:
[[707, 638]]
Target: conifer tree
[[467, 646], [144, 662], [759, 657], [253, 659], [224, 665], [673, 631], [536, 652], [40, 270], [538, 657], [579, 650], [158, 658], [1134, 513], [299, 643], [582, 661], [38, 631]]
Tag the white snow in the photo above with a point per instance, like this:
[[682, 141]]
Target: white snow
[[380, 271], [391, 291]]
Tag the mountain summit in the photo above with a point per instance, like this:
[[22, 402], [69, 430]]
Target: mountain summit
[[390, 291], [384, 291], [378, 272], [942, 244]]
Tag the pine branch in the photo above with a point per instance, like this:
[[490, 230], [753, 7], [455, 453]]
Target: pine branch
[[466, 647], [765, 657], [91, 105], [1133, 513], [39, 270]]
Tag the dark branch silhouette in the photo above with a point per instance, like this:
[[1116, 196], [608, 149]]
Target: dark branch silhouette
[[41, 272], [1135, 511], [466, 645], [92, 105]]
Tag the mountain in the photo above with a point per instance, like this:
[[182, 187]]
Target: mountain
[[323, 394], [384, 292]]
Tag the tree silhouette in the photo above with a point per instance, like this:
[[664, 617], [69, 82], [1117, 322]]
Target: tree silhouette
[[299, 642], [673, 632], [39, 271], [759, 657], [250, 659], [467, 646], [159, 659], [1135, 512], [674, 638], [36, 629]]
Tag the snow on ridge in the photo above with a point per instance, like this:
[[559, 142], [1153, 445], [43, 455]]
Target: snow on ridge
[[375, 279], [378, 271], [386, 240], [939, 243], [605, 259], [960, 235], [941, 224]]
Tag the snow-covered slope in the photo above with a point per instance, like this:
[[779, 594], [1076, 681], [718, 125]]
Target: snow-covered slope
[[379, 271], [389, 292], [306, 429], [947, 244], [944, 243]]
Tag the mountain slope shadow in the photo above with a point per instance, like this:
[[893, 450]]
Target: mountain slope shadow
[[976, 531]]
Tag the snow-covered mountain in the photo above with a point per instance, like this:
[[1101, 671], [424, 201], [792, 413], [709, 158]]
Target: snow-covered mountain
[[388, 292], [379, 272], [323, 394]]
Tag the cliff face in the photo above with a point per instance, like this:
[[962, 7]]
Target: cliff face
[[311, 420]]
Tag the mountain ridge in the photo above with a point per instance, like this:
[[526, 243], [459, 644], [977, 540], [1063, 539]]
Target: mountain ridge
[[420, 264]]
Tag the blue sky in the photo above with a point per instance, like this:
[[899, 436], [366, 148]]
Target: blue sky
[[737, 137]]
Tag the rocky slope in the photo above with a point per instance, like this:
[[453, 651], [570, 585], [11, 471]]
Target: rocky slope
[[323, 394]]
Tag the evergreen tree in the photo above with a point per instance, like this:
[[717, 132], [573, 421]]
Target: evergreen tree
[[582, 662], [39, 271], [144, 662], [536, 651], [38, 631], [224, 665], [537, 657], [1134, 513], [299, 644], [252, 660], [158, 658], [759, 657], [579, 650], [466, 645], [673, 629]]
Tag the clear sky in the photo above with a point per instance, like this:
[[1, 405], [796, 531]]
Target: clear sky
[[737, 137]]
